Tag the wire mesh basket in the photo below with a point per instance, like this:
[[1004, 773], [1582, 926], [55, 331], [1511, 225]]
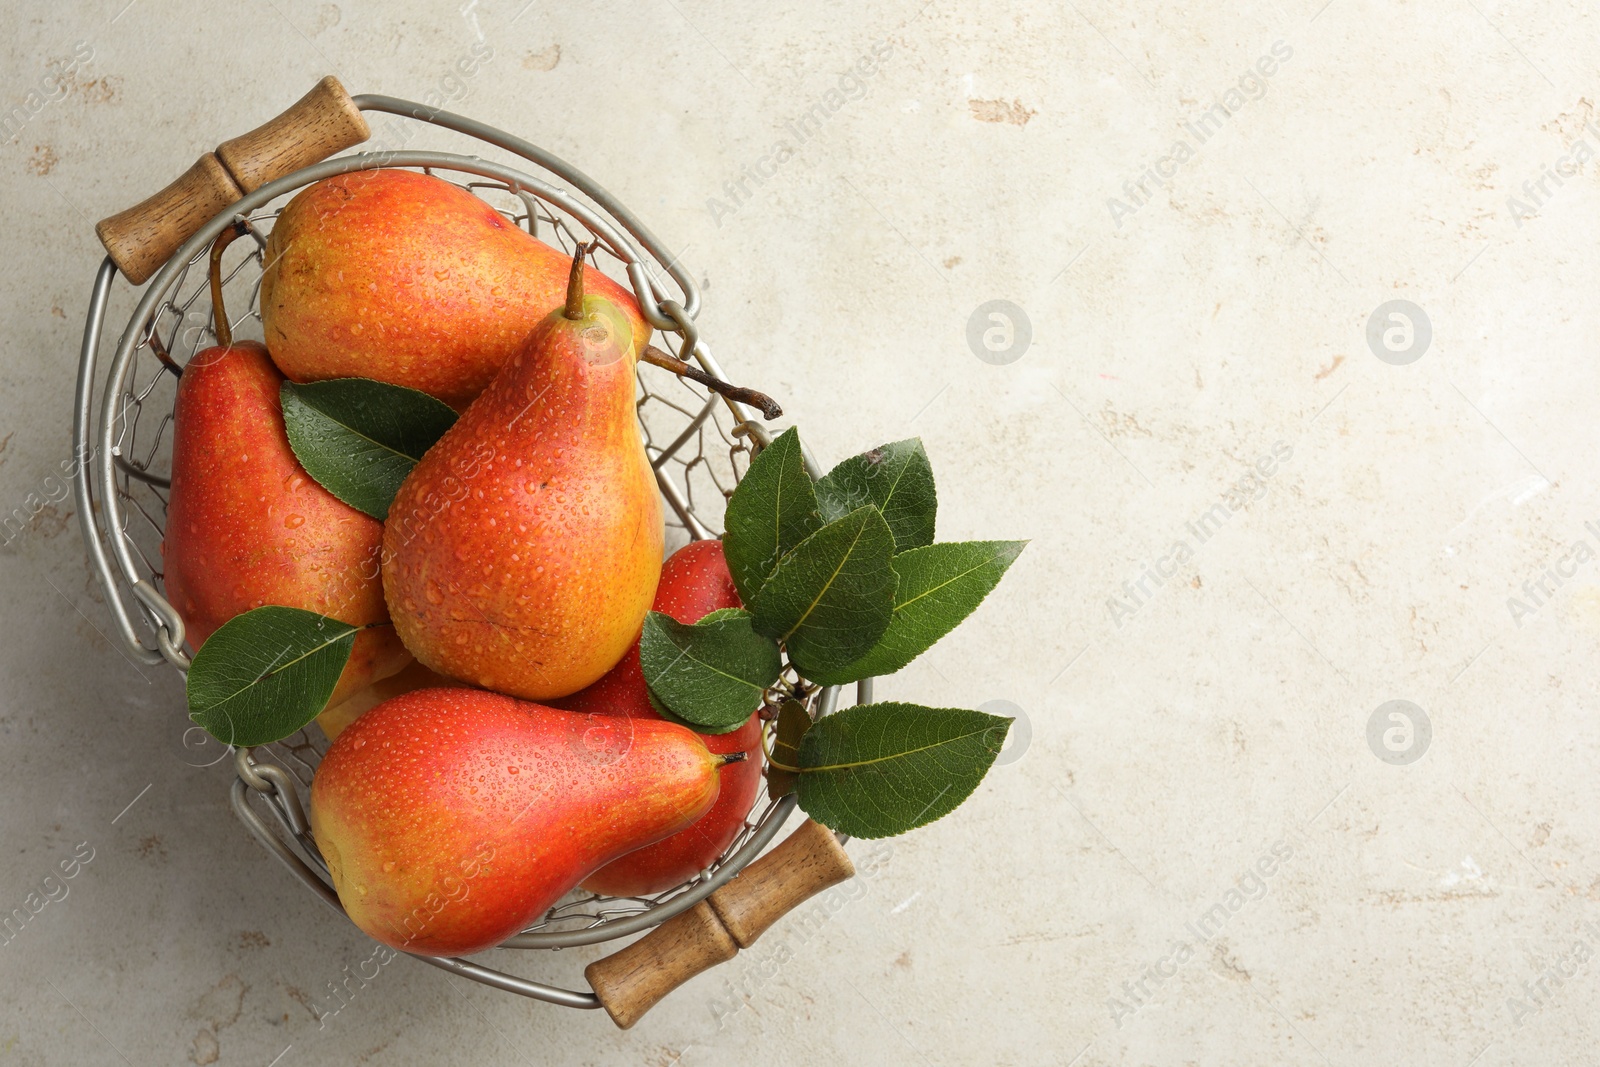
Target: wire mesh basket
[[699, 444]]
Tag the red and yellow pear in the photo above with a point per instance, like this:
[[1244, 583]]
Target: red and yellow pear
[[246, 525], [522, 553], [453, 818], [694, 582], [409, 279]]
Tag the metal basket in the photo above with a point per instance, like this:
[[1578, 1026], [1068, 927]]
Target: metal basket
[[699, 444]]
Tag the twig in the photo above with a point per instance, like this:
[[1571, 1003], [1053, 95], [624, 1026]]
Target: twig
[[161, 353], [655, 356], [219, 314]]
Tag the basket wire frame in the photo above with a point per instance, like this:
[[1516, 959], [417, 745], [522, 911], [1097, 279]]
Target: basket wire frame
[[698, 443]]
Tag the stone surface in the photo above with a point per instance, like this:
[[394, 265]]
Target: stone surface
[[1199, 857]]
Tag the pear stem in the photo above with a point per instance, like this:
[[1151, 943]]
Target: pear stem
[[574, 308], [219, 313], [161, 353], [725, 758], [769, 407]]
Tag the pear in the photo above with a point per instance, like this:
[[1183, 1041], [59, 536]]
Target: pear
[[694, 581], [246, 525], [453, 818], [336, 718], [523, 551], [409, 279]]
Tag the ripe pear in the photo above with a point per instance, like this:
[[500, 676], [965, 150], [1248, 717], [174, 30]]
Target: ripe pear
[[453, 818], [523, 551], [336, 718], [694, 581], [246, 525], [409, 279]]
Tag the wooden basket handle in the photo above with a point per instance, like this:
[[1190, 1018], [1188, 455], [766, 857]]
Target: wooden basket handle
[[322, 122], [633, 980]]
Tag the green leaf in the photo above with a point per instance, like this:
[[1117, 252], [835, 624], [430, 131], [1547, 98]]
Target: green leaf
[[897, 479], [876, 770], [718, 614], [832, 596], [359, 438], [266, 673], [711, 674], [793, 722], [667, 714], [772, 510], [939, 586]]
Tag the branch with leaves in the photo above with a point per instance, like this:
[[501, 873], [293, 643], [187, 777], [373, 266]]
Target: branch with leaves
[[843, 581]]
